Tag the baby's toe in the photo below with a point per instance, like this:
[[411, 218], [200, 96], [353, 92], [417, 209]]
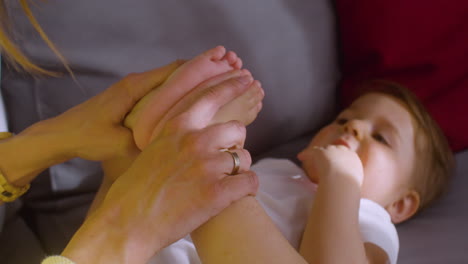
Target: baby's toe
[[233, 60], [259, 94], [216, 53], [238, 64]]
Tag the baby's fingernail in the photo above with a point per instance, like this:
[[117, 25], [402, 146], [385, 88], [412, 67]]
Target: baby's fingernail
[[245, 79]]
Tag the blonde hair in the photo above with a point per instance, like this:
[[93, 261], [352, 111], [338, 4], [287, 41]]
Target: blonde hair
[[14, 55], [435, 161]]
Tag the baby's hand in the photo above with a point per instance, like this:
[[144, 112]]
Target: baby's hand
[[337, 161]]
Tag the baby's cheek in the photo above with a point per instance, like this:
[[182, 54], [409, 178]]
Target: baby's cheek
[[380, 169], [382, 162]]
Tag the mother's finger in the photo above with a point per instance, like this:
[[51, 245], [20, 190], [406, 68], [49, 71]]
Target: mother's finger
[[221, 164], [233, 188], [223, 136], [239, 161], [200, 114]]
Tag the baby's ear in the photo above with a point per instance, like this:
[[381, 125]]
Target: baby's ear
[[405, 207]]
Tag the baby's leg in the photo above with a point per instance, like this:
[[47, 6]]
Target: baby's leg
[[244, 108], [149, 111]]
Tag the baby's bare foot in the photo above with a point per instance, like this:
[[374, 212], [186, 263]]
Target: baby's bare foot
[[149, 111], [244, 108]]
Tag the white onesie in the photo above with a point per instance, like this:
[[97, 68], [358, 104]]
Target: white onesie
[[286, 194]]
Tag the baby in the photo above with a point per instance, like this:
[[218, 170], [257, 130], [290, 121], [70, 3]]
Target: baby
[[379, 163]]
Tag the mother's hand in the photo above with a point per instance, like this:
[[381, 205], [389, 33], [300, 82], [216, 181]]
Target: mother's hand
[[93, 130], [176, 184]]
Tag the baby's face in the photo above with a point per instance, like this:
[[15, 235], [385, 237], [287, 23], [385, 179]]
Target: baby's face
[[381, 131]]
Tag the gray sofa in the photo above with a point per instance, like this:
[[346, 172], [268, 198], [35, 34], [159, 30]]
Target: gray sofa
[[289, 45]]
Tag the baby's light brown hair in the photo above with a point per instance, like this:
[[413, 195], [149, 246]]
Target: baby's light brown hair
[[434, 161]]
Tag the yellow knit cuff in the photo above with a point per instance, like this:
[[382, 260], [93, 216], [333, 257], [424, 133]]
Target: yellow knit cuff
[[57, 260]]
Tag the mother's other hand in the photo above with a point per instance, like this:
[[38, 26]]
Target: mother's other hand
[[176, 184]]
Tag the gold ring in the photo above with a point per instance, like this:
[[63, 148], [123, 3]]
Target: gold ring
[[236, 160]]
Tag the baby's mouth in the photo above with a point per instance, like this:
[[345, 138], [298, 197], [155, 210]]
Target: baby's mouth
[[341, 142]]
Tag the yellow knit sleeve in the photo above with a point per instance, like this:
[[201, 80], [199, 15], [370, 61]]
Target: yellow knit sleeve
[[57, 260]]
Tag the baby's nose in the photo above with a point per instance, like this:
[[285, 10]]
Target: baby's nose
[[355, 128]]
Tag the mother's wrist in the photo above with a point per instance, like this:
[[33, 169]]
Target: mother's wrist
[[30, 152], [96, 242], [104, 238]]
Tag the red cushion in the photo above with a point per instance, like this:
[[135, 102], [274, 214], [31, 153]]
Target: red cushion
[[418, 43]]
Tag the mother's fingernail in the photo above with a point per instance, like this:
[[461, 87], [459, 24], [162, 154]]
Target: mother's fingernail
[[245, 79]]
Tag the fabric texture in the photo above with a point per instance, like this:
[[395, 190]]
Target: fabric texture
[[57, 260], [419, 44], [286, 194]]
